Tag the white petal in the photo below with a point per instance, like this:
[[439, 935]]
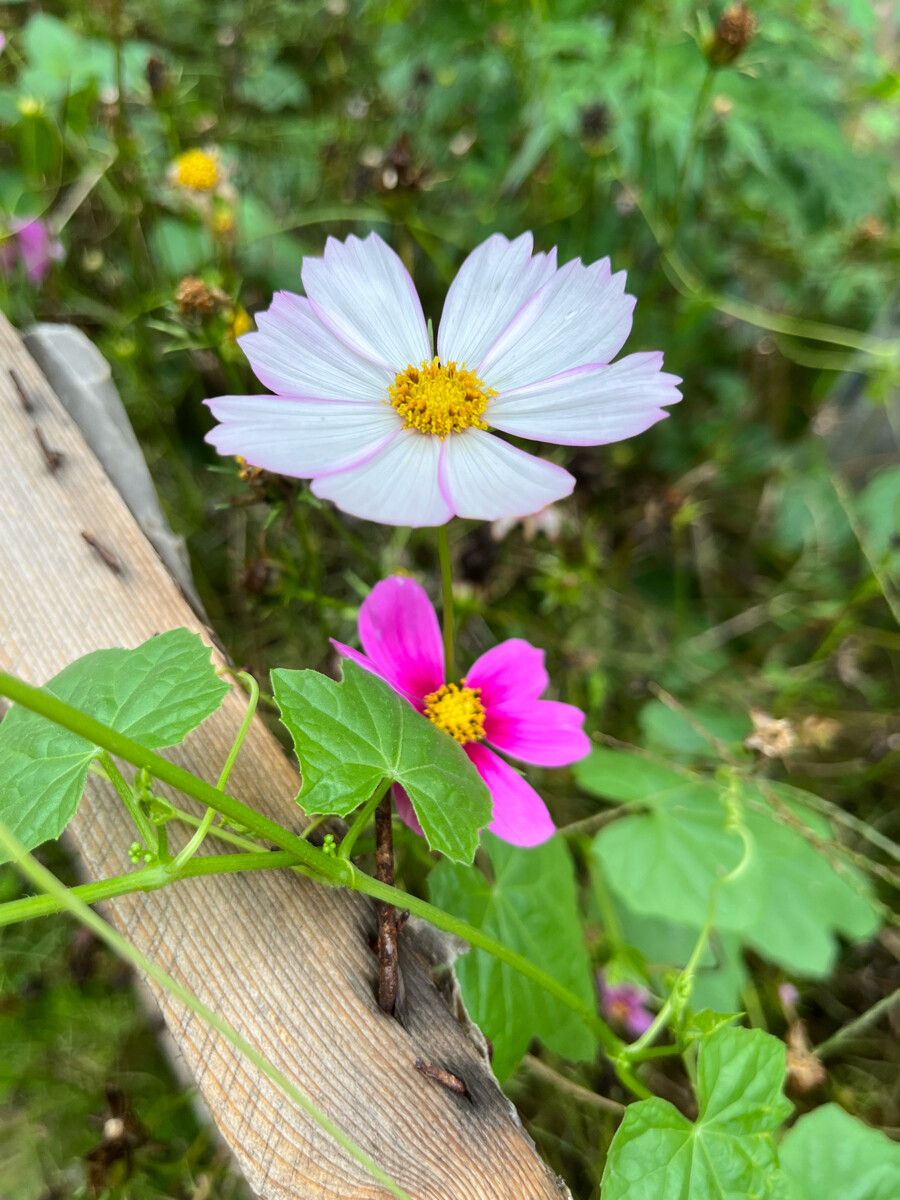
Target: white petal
[[589, 406], [363, 293], [399, 486], [485, 478], [300, 437], [581, 315], [294, 354], [491, 286]]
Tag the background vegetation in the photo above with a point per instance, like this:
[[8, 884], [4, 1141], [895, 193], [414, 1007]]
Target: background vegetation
[[739, 558]]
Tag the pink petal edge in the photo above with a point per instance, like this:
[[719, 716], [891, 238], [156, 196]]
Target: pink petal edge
[[520, 815], [399, 632]]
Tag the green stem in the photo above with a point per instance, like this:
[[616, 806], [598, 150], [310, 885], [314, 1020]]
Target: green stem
[[362, 819], [219, 833], [323, 868], [235, 750], [147, 879], [43, 879], [144, 826], [447, 591], [639, 1048], [189, 850], [691, 148]]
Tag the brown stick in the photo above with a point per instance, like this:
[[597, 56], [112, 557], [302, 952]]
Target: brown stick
[[388, 963]]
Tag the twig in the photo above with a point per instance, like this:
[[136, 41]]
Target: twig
[[869, 1017], [575, 1090], [388, 963]]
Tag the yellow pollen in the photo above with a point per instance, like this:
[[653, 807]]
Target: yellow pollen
[[440, 398], [197, 170], [457, 710]]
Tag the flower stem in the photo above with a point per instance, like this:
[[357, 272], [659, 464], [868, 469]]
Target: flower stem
[[447, 591], [691, 149]]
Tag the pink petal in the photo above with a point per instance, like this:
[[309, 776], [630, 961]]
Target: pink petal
[[399, 632], [520, 815], [37, 248], [581, 315], [398, 486], [489, 289], [368, 665], [485, 478], [364, 294], [301, 437], [294, 354], [543, 732], [592, 405], [405, 810], [511, 672]]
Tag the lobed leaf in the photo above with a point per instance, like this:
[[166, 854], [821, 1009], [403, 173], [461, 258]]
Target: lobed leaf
[[729, 1151], [530, 905], [829, 1155], [664, 863], [155, 694], [351, 734]]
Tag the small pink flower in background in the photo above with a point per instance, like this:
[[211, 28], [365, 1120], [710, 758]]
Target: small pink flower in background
[[389, 432], [31, 245], [624, 1004], [790, 998], [496, 702]]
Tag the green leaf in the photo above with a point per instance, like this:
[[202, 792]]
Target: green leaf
[[155, 694], [729, 1151], [665, 862], [530, 906], [720, 974], [352, 734], [878, 508], [703, 1024], [829, 1155], [669, 732], [272, 87]]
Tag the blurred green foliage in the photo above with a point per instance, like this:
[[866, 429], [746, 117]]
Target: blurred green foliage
[[742, 555]]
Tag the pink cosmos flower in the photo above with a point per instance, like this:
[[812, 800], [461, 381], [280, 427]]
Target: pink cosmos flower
[[389, 432], [624, 1003], [33, 245], [497, 703]]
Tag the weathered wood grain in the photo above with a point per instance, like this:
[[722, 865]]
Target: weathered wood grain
[[285, 961]]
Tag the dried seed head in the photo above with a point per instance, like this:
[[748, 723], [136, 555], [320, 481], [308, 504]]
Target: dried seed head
[[771, 736], [193, 296], [733, 33]]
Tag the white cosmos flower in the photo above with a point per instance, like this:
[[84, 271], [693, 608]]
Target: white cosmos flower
[[392, 434]]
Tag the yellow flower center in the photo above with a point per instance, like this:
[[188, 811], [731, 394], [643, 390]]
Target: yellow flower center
[[440, 398], [457, 710], [197, 170]]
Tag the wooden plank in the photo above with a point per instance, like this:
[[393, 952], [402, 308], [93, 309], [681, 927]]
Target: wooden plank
[[285, 961]]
